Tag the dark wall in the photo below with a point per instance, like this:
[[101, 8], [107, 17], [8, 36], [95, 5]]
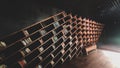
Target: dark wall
[[17, 15], [110, 16], [111, 34]]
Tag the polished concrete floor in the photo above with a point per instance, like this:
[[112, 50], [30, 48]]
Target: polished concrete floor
[[98, 59]]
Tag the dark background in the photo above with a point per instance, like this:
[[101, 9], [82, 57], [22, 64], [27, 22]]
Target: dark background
[[15, 15]]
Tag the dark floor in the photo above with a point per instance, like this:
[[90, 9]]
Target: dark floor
[[98, 59]]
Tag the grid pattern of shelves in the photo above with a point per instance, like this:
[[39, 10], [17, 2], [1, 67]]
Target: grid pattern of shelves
[[91, 33], [49, 42]]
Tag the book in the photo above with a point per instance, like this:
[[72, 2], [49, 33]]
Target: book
[[22, 63], [26, 41], [40, 57], [2, 45], [41, 49], [23, 42], [43, 32], [26, 32], [3, 66], [38, 66], [52, 62], [62, 51], [25, 51], [56, 24], [52, 55], [55, 38]]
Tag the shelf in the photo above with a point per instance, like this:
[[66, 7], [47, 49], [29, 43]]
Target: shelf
[[43, 64], [57, 50], [61, 21], [47, 22], [13, 38], [58, 42], [59, 16], [67, 18], [59, 35], [50, 42], [35, 36], [67, 41], [34, 45], [46, 45], [32, 55], [49, 28], [67, 54], [34, 63], [67, 47], [46, 37], [57, 57], [58, 29], [48, 51], [34, 28], [10, 50], [13, 60]]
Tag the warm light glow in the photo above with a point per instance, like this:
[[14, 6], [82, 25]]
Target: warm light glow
[[113, 57]]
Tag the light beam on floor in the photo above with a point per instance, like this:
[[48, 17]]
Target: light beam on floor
[[114, 58]]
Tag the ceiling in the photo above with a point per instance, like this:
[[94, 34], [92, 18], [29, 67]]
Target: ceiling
[[105, 11]]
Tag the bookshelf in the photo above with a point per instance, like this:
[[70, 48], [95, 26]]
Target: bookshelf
[[49, 42]]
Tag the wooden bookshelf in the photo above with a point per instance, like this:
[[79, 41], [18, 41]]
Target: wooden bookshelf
[[49, 42]]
